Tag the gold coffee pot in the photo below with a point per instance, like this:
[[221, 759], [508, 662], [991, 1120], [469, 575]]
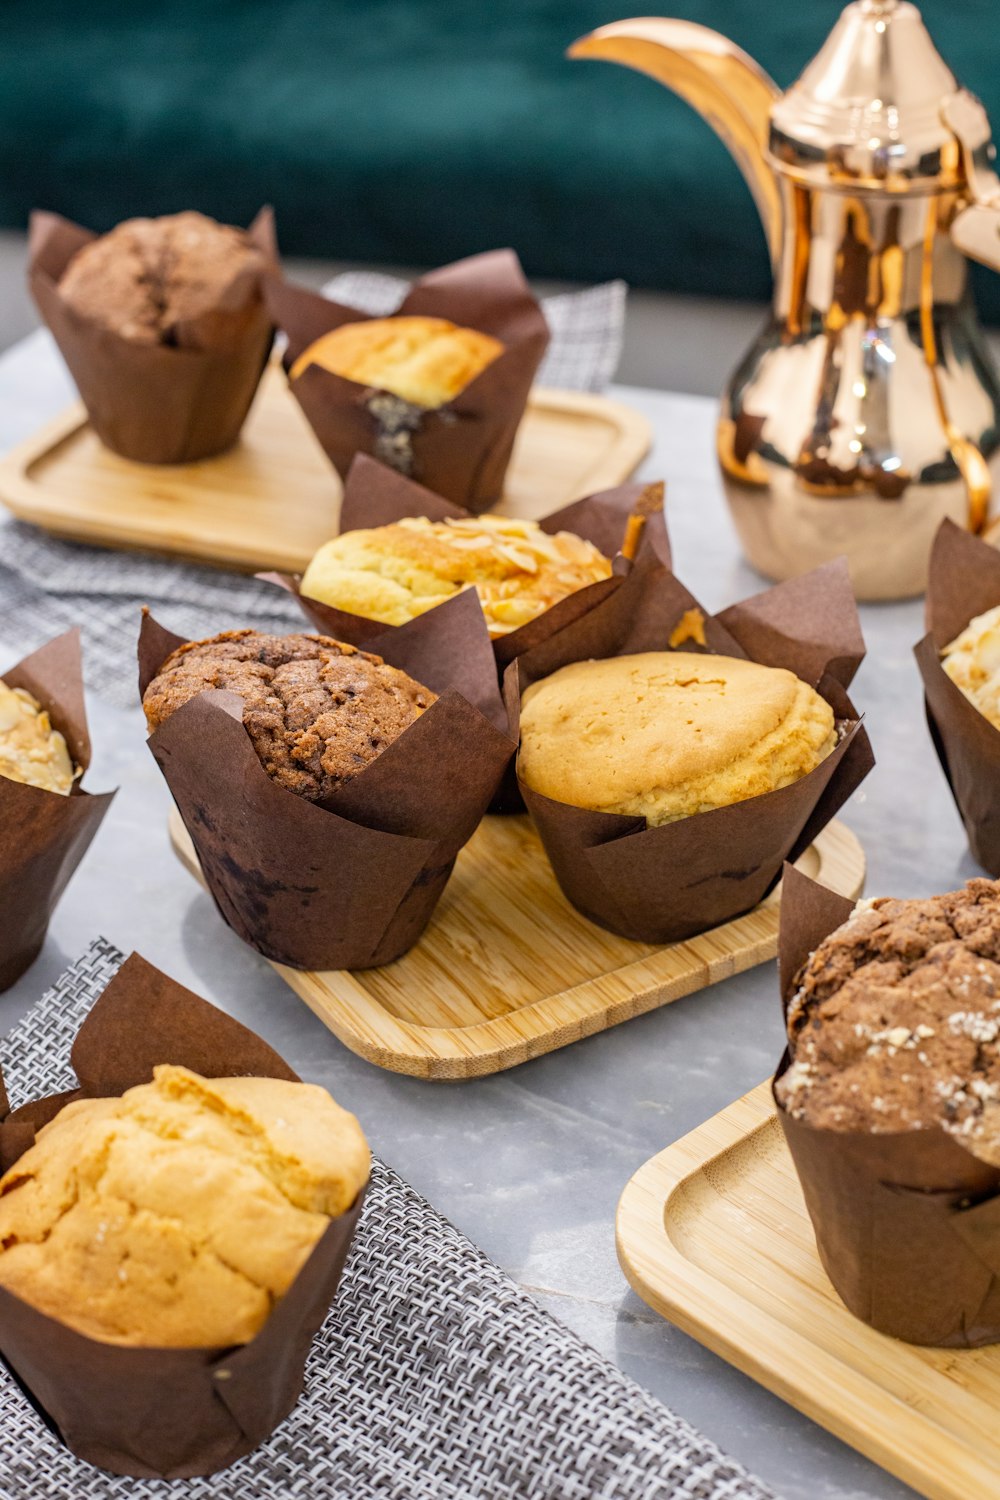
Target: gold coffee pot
[[869, 406]]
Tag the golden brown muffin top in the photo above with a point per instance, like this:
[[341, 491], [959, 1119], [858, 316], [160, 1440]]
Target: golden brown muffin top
[[178, 1214], [665, 734], [31, 750], [317, 710], [394, 573], [895, 1020], [147, 276], [427, 361]]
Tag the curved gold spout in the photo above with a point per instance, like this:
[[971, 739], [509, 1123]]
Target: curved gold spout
[[716, 78]]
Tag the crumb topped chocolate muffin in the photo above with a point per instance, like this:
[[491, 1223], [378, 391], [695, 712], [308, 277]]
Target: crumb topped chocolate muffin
[[895, 1020], [317, 710], [148, 277]]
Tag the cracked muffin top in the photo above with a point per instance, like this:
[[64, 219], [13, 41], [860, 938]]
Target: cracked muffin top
[[894, 1022], [317, 710], [179, 1214], [148, 278]]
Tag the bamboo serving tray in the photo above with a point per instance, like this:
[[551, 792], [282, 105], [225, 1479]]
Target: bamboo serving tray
[[274, 498], [713, 1233], [508, 969]]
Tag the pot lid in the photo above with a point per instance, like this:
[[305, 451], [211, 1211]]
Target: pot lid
[[868, 112]]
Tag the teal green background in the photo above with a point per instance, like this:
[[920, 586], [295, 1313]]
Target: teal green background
[[409, 133]]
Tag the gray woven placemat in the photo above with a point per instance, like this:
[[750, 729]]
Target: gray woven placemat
[[46, 586], [434, 1378]]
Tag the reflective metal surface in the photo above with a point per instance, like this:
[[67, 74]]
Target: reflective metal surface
[[869, 407]]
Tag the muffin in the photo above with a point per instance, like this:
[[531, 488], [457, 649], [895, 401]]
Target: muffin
[[894, 1021], [31, 751], [149, 279], [163, 325], [394, 573], [972, 661], [179, 1214], [426, 361], [664, 735], [317, 710]]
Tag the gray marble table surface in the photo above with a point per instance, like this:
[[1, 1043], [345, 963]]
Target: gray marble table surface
[[530, 1163]]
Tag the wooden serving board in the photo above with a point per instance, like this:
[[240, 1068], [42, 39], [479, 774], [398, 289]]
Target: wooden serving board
[[713, 1233], [274, 498], [508, 969]]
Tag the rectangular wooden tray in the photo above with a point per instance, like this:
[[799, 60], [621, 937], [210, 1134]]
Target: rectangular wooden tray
[[713, 1233], [274, 498], [508, 970]]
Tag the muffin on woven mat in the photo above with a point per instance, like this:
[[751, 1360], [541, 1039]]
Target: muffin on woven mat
[[317, 710], [179, 1214], [394, 573], [894, 1023], [149, 279], [423, 360], [31, 750], [663, 735]]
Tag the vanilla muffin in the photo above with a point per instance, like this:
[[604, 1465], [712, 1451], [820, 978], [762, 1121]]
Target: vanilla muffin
[[662, 735], [31, 751], [317, 710], [394, 573], [179, 1214], [972, 661], [148, 278], [895, 1020], [426, 361]]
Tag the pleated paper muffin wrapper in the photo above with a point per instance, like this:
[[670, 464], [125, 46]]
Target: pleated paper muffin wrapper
[[907, 1223], [154, 403], [375, 495], [164, 1413], [351, 882], [963, 581], [44, 835], [664, 884], [460, 449]]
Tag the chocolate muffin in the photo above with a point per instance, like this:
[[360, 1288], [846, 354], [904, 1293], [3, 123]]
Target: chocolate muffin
[[149, 278], [894, 1022], [317, 711]]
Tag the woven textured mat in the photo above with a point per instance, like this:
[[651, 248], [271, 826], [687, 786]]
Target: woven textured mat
[[434, 1378]]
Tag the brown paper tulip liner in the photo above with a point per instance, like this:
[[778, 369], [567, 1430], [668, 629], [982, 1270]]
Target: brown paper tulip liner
[[664, 884], [154, 403], [164, 1413], [460, 449], [375, 495], [907, 1223], [351, 882], [964, 581], [44, 835]]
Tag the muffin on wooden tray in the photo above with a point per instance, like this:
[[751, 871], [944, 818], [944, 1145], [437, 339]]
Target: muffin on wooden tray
[[394, 573], [31, 750], [889, 1098], [327, 791], [317, 710], [178, 1215], [664, 735], [163, 326], [437, 390], [424, 360]]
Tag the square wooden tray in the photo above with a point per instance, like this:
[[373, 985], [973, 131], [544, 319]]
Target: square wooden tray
[[713, 1233], [274, 498], [508, 969]]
